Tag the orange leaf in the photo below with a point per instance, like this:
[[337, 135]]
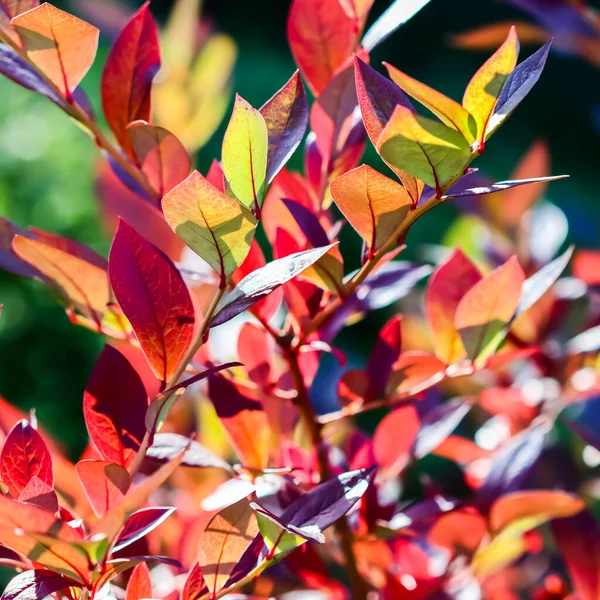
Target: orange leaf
[[486, 309], [543, 504], [373, 204], [160, 155], [85, 284], [62, 46], [224, 541], [139, 585], [447, 286]]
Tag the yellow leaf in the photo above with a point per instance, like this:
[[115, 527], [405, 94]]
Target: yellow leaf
[[213, 225], [449, 111], [245, 147], [484, 88]]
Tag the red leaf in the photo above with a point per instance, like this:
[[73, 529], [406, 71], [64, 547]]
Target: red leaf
[[114, 407], [139, 585], [194, 586], [39, 493], [24, 455], [140, 523], [322, 37], [161, 156], [127, 79], [104, 483], [154, 298], [256, 353], [394, 438], [385, 353]]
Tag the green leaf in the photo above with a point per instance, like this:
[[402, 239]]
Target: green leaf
[[427, 149], [245, 148]]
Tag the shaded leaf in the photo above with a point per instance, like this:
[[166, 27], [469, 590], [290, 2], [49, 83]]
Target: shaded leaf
[[35, 585], [213, 225], [263, 281], [24, 456], [500, 186], [244, 420], [286, 117], [518, 84], [224, 541], [114, 405], [62, 46], [104, 483], [38, 492], [131, 66], [154, 298]]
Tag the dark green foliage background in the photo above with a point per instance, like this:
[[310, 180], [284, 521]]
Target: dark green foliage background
[[46, 174]]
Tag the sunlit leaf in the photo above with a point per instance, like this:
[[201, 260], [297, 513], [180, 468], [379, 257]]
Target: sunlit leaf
[[222, 544], [484, 89], [130, 68], [62, 46], [373, 204], [139, 585], [322, 37], [85, 284], [377, 98], [154, 298], [447, 286], [24, 456], [446, 109], [216, 227], [263, 281], [160, 155], [429, 150], [104, 483], [244, 155], [487, 308]]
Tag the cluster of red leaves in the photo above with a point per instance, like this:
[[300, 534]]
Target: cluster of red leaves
[[480, 382]]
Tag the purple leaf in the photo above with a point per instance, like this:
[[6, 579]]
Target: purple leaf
[[263, 281], [539, 283], [328, 502], [387, 285], [558, 16], [398, 13], [308, 223], [36, 584], [167, 446], [140, 523], [500, 186], [518, 84], [512, 465], [15, 68], [437, 424], [9, 261], [286, 116]]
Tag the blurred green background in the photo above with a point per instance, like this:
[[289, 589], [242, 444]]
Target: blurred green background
[[47, 171]]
